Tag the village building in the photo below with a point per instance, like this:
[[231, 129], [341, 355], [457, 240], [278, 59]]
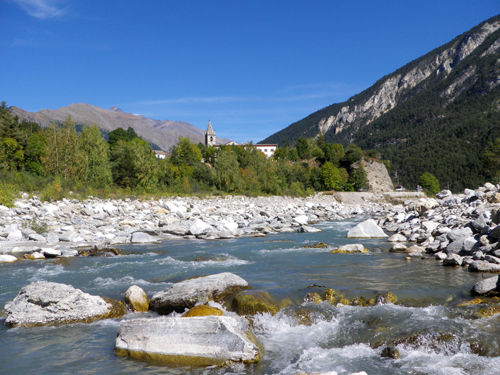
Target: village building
[[210, 140], [160, 154]]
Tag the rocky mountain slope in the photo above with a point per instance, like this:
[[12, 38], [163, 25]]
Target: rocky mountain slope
[[162, 133], [435, 114]]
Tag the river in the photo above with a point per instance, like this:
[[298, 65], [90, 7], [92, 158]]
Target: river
[[431, 332]]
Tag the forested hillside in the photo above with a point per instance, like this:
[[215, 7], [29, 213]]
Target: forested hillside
[[439, 113]]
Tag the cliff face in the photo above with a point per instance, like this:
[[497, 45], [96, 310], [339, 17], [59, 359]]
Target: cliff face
[[405, 112], [378, 178]]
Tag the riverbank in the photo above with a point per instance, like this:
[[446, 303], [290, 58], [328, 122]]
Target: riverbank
[[35, 227]]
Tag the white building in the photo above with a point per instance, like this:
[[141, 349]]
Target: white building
[[267, 149]]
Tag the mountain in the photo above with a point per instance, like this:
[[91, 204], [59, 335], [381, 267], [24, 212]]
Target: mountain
[[436, 114], [162, 133]]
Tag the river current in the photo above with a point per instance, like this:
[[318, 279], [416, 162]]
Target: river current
[[431, 332]]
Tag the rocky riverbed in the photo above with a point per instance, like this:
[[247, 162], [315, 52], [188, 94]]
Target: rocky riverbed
[[37, 230], [458, 230]]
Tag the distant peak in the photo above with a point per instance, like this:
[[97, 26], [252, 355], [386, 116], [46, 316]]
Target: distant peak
[[115, 109]]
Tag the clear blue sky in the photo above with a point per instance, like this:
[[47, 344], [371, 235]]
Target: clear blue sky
[[252, 67]]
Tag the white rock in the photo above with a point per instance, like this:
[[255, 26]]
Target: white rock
[[351, 248], [205, 340], [141, 237], [136, 298], [15, 235], [6, 258], [366, 229], [199, 227], [301, 219], [397, 237]]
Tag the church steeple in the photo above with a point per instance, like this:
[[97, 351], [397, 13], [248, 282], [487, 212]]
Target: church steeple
[[210, 138]]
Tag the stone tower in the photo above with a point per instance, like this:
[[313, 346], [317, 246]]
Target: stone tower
[[210, 135]]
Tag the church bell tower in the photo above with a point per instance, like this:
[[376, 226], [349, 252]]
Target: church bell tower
[[210, 138]]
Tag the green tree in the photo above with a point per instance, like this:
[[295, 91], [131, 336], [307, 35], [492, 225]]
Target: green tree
[[134, 164], [34, 152], [186, 153], [332, 180], [227, 176], [358, 179], [492, 160], [95, 151], [352, 154], [429, 183], [303, 148]]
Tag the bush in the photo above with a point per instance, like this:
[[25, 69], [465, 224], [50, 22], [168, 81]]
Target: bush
[[429, 183]]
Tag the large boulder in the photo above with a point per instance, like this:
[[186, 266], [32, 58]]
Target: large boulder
[[196, 341], [490, 285], [200, 290], [483, 266], [47, 303], [366, 229], [199, 227], [7, 258]]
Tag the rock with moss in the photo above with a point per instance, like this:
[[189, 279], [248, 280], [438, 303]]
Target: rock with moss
[[6, 258], [48, 303], [137, 299], [251, 304], [197, 341], [313, 297], [350, 249], [202, 310], [319, 245], [200, 290]]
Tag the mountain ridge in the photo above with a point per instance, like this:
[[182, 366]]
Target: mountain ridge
[[162, 133]]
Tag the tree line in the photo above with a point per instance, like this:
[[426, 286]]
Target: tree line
[[58, 159]]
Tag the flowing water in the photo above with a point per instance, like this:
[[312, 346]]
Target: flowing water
[[432, 334]]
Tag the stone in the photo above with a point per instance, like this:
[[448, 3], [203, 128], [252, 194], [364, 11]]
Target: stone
[[136, 299], [48, 303], [308, 229], [492, 259], [51, 253], [443, 194], [390, 352], [6, 258], [301, 219], [455, 234], [70, 236], [425, 204], [350, 248], [36, 237], [483, 266], [202, 310], [15, 235], [200, 290], [196, 341], [398, 247], [68, 253], [495, 233], [487, 286], [199, 227], [366, 229], [142, 237], [452, 260], [34, 255], [397, 237], [440, 256], [415, 251], [256, 303], [456, 246]]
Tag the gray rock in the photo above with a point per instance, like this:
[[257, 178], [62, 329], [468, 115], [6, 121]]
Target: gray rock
[[455, 234], [398, 247], [15, 235], [188, 293], [452, 260], [141, 237], [198, 341], [397, 237], [492, 259], [45, 302], [440, 255], [443, 194], [36, 237], [456, 246], [301, 219], [483, 266], [52, 237], [70, 236], [68, 253], [486, 286], [366, 229]]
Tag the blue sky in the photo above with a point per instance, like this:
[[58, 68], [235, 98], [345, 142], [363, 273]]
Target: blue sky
[[252, 67]]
